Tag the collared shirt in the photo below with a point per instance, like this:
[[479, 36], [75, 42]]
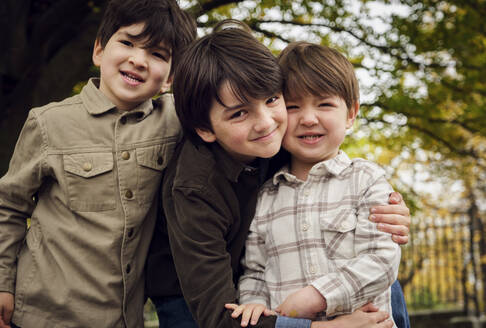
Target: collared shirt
[[87, 175], [316, 232], [209, 200]]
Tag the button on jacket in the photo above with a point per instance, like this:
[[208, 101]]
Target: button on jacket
[[88, 176]]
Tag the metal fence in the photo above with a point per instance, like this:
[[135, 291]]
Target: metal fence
[[443, 266]]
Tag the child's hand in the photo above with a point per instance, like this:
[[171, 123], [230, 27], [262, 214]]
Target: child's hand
[[304, 303], [6, 309], [367, 316], [252, 310], [393, 218]]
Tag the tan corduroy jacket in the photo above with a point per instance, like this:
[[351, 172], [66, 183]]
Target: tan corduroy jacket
[[87, 175]]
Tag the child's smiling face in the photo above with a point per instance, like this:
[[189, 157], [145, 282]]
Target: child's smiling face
[[247, 130], [130, 72], [316, 128]]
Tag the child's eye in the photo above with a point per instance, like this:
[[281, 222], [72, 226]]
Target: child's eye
[[290, 107], [326, 105], [271, 100], [238, 114], [160, 56], [126, 42]]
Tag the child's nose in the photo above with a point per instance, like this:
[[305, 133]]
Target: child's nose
[[138, 58], [264, 120], [308, 117]]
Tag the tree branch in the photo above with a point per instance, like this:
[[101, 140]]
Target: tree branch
[[203, 7], [462, 124], [384, 49], [432, 135], [256, 27]]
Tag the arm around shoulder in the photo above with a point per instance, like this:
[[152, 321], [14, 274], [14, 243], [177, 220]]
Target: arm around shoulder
[[393, 218]]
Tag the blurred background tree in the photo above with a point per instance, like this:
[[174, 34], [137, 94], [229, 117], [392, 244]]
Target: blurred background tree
[[422, 71]]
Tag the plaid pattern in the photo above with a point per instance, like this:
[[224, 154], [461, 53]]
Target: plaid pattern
[[317, 232]]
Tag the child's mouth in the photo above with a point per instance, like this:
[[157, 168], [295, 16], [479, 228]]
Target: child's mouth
[[131, 77], [267, 136], [311, 137]]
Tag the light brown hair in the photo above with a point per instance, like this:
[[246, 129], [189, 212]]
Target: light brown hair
[[311, 69]]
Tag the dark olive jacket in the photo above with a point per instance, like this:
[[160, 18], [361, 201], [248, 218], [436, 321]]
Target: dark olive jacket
[[209, 201]]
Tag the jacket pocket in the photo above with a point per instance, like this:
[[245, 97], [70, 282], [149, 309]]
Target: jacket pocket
[[90, 181], [151, 162], [338, 229]]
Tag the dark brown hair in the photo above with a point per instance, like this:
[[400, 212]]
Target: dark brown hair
[[229, 54], [165, 22], [311, 69]]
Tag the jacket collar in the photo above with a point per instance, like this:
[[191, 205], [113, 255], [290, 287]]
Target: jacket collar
[[233, 169], [96, 103], [230, 167]]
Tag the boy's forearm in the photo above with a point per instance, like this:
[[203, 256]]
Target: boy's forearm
[[306, 302], [317, 301]]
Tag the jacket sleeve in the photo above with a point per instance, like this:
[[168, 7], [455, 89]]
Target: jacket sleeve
[[17, 191], [374, 268], [197, 228]]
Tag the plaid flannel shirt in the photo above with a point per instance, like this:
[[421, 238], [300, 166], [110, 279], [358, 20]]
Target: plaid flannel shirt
[[316, 232]]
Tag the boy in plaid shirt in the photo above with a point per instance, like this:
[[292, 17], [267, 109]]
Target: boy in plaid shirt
[[311, 251]]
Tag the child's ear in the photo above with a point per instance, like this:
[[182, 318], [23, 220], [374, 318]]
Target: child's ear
[[97, 53], [166, 85], [206, 135], [352, 113]]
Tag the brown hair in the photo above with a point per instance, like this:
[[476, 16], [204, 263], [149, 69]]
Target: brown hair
[[319, 71], [165, 22], [229, 54]]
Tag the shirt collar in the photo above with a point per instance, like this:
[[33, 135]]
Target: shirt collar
[[334, 166], [97, 103]]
